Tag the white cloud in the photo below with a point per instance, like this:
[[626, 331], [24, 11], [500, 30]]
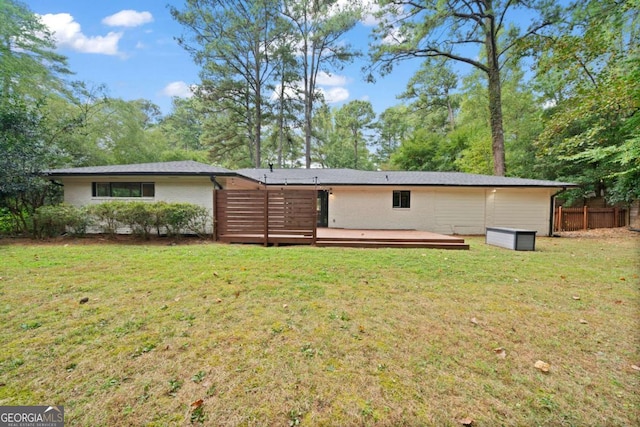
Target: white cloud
[[326, 79], [330, 86], [335, 94], [370, 8], [68, 33], [179, 89], [128, 18]]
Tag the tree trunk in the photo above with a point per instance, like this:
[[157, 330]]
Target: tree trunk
[[307, 129], [258, 131], [495, 96], [281, 120], [355, 150], [450, 117], [497, 132]]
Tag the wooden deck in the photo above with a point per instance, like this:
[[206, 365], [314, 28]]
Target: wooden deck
[[274, 217], [340, 237], [387, 239]]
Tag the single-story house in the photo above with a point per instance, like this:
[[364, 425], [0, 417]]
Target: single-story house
[[439, 202]]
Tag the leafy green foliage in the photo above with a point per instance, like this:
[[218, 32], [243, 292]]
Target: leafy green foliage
[[28, 62], [451, 30], [591, 133], [185, 217], [317, 28], [23, 155], [54, 220], [142, 218], [107, 216], [219, 31]]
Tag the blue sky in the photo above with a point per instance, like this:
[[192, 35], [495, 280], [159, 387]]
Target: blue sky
[[129, 45]]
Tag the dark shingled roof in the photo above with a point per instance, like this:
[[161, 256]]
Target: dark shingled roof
[[337, 177], [187, 167], [322, 177]]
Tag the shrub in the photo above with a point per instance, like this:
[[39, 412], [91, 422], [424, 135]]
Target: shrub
[[139, 216], [158, 213], [142, 217], [181, 218], [54, 220], [7, 223], [199, 220], [108, 216]]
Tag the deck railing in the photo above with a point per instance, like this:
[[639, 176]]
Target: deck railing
[[584, 218]]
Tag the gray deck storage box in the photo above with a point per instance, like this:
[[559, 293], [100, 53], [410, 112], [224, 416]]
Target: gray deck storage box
[[511, 238]]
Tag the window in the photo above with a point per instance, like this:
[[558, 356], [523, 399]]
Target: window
[[123, 189], [402, 199]]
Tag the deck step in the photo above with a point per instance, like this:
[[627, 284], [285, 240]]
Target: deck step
[[444, 239], [391, 244]]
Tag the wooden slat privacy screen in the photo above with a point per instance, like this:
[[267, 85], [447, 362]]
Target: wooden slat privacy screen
[[572, 219], [265, 216]]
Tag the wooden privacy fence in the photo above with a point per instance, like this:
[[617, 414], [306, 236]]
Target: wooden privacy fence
[[572, 219], [265, 216]]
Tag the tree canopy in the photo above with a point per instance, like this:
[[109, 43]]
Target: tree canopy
[[556, 98]]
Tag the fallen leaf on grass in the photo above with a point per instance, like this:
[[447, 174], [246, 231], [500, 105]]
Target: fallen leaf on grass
[[466, 421], [198, 403], [542, 366], [500, 352]]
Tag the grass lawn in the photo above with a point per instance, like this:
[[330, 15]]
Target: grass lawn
[[246, 335]]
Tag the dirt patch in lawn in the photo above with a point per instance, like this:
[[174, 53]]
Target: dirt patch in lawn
[[601, 233]]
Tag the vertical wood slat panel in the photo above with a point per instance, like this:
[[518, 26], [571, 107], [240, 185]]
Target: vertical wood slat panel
[[573, 219], [266, 216]]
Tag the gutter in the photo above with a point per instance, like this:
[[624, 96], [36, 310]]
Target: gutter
[[552, 211]]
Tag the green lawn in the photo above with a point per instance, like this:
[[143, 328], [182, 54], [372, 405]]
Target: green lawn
[[322, 336]]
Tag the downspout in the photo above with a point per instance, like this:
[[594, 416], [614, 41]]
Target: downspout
[[214, 223], [552, 209], [216, 184]]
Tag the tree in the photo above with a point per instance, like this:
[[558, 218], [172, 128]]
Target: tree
[[319, 26], [393, 126], [28, 62], [431, 89], [183, 127], [233, 41], [29, 71], [591, 135], [23, 156], [456, 30], [288, 103], [354, 119]]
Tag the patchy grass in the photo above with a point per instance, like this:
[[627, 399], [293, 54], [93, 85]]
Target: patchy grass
[[246, 335]]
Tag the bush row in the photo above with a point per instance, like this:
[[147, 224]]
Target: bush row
[[142, 219]]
